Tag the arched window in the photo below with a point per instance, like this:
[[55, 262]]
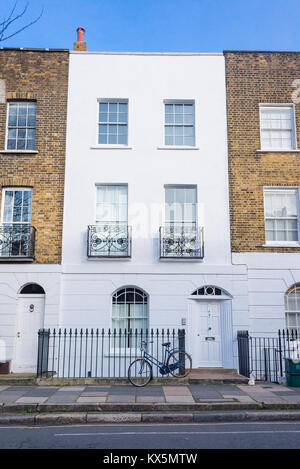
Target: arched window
[[292, 307], [210, 290], [32, 289], [129, 309], [130, 312]]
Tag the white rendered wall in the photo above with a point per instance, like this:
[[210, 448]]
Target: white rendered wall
[[269, 277], [146, 81]]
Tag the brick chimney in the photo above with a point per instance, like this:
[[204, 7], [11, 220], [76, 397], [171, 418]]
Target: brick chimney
[[80, 44]]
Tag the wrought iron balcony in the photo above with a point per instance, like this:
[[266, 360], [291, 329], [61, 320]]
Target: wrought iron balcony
[[17, 241], [181, 240], [109, 240]]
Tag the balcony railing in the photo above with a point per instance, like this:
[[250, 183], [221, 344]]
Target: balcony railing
[[17, 241], [109, 240], [181, 240]]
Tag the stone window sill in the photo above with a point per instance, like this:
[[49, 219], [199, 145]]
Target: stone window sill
[[27, 152], [110, 147], [278, 151], [177, 148], [281, 245]]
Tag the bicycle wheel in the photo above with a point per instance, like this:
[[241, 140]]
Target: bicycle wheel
[[179, 364], [140, 372]]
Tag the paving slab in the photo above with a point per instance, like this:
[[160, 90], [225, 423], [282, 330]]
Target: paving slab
[[120, 398], [176, 391], [31, 400], [20, 388], [93, 394], [72, 389], [62, 398], [40, 393], [92, 388], [120, 390], [224, 389], [92, 400], [150, 399], [180, 399]]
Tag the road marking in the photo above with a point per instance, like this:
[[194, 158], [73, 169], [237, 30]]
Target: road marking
[[176, 433]]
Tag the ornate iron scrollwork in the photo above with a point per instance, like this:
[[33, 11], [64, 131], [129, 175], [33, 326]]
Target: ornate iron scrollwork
[[16, 240], [181, 241], [109, 240]]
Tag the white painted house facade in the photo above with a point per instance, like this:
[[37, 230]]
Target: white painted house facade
[[146, 236]]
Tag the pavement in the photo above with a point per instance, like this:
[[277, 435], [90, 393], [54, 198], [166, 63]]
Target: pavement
[[156, 403]]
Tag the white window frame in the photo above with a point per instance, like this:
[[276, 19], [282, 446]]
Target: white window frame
[[277, 242], [293, 130], [111, 145], [22, 150], [23, 189], [179, 147]]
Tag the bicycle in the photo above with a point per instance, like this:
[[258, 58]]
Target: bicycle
[[177, 362]]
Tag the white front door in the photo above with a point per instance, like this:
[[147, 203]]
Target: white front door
[[30, 320], [206, 332]]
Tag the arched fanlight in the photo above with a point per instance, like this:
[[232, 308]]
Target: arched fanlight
[[210, 290], [32, 288]]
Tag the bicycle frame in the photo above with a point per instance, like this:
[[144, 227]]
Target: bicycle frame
[[155, 361]]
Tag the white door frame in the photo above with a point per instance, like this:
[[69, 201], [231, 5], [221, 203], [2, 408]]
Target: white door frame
[[18, 324], [225, 325]]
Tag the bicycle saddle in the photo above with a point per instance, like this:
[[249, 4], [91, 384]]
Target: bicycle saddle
[[166, 344]]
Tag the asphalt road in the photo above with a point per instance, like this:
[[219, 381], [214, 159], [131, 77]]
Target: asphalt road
[[142, 436]]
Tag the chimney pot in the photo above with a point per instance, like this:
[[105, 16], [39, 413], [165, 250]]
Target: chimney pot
[[80, 44], [80, 34]]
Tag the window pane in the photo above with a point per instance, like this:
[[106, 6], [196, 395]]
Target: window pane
[[113, 107], [122, 139], [169, 119], [11, 144], [178, 118], [103, 117], [103, 107], [189, 141], [102, 139], [112, 139]]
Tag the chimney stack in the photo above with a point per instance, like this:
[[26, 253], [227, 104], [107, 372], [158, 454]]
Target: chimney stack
[[80, 44]]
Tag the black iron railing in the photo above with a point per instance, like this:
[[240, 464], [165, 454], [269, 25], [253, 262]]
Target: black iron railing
[[181, 240], [265, 356], [84, 353], [109, 240], [17, 241]]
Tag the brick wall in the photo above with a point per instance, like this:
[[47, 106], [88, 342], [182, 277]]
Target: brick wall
[[253, 78], [42, 76]]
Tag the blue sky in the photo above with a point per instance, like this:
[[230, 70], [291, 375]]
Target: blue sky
[[161, 25]]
